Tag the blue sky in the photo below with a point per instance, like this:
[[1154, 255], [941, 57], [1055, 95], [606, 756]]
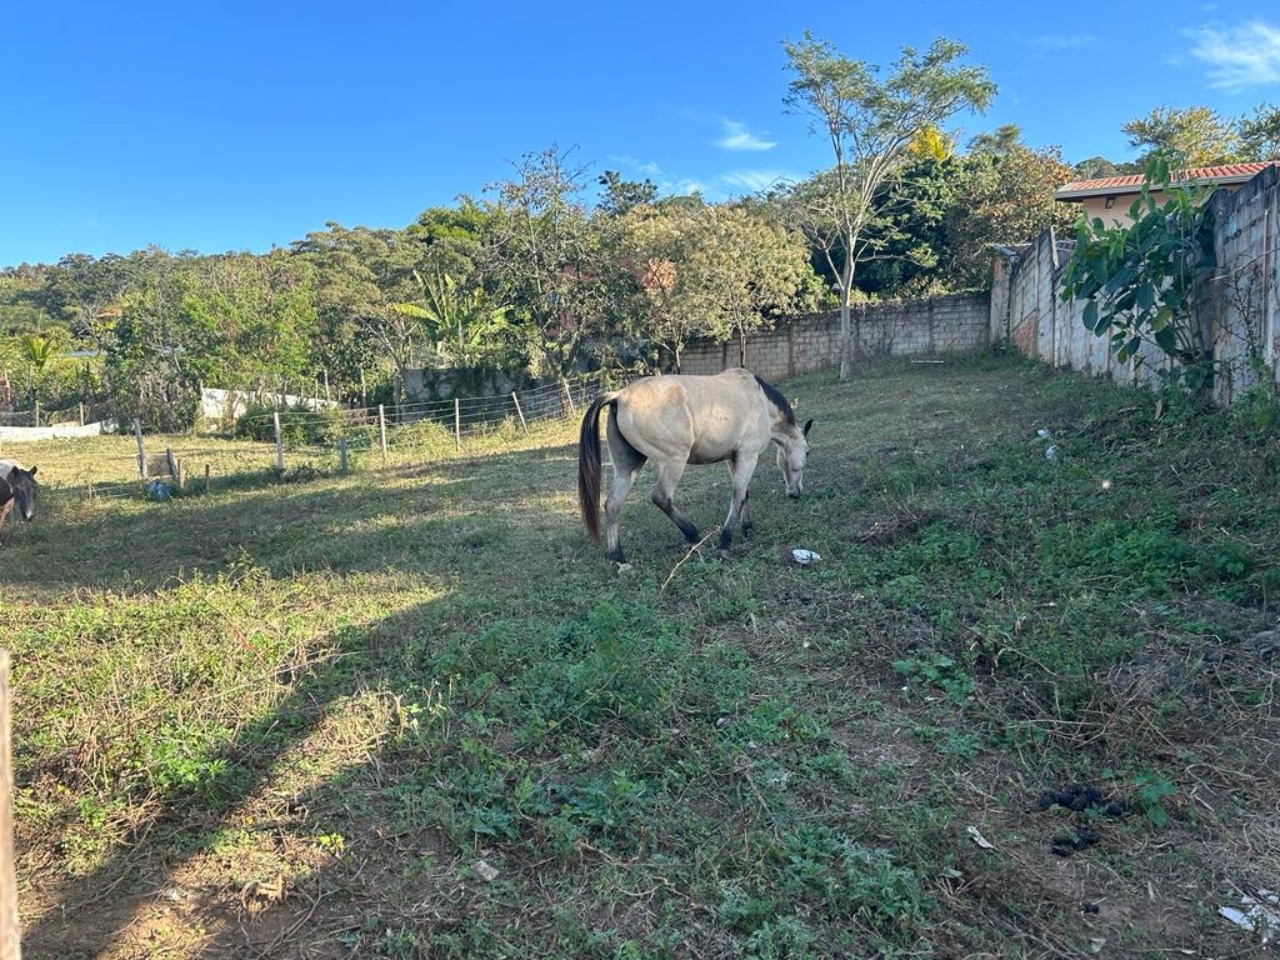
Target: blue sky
[[235, 125]]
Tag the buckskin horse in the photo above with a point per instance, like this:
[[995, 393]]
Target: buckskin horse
[[17, 488], [675, 420]]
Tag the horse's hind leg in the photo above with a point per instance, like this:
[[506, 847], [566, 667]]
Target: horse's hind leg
[[627, 461], [669, 474]]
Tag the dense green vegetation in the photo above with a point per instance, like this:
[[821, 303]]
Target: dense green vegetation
[[414, 713]]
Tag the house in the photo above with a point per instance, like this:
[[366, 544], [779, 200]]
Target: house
[[1109, 198]]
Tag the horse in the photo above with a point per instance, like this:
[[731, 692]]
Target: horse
[[675, 420], [17, 487]]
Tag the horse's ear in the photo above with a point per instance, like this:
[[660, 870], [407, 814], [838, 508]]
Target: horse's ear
[[34, 469], [807, 426]]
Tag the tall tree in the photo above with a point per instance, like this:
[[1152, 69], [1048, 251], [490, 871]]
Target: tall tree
[[362, 274], [1194, 137], [543, 252], [1002, 140], [870, 124], [1260, 134], [622, 196]]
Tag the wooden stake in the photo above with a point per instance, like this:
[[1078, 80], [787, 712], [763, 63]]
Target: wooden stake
[[573, 411], [457, 423], [279, 444], [142, 450], [382, 429], [10, 939], [342, 454], [519, 411]]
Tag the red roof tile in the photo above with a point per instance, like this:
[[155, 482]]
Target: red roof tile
[[1227, 173]]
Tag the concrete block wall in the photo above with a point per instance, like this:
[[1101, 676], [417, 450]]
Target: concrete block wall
[[1239, 305], [951, 324]]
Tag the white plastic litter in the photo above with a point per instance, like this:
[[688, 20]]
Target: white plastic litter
[[1051, 453], [1261, 914], [805, 557]]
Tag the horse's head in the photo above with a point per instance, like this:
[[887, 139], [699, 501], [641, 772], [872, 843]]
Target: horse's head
[[793, 450], [24, 486]]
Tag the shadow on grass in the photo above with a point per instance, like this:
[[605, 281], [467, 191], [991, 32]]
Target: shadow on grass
[[92, 915]]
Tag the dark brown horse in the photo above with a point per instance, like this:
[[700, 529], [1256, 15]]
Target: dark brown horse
[[17, 488], [677, 420]]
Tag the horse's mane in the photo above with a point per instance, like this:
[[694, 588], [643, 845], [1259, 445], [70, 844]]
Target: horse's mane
[[777, 399]]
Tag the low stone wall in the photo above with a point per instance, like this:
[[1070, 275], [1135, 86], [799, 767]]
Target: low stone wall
[[957, 323]]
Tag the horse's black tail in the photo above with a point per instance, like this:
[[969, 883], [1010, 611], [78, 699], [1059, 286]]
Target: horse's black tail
[[589, 465]]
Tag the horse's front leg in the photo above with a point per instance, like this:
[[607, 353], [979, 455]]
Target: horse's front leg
[[741, 468]]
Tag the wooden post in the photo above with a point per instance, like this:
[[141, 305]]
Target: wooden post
[[457, 423], [10, 941], [342, 454], [142, 450], [519, 411], [573, 411], [326, 384], [206, 478], [364, 394], [275, 416], [181, 474], [173, 464], [382, 430], [82, 414], [37, 413]]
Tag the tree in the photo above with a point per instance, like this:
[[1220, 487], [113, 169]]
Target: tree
[[1260, 134], [1003, 140], [361, 275], [1140, 279], [542, 252], [1096, 168], [870, 124], [622, 196], [1194, 137], [1005, 197], [717, 271]]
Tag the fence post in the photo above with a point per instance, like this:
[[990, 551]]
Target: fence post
[[206, 478], [275, 416], [10, 942], [573, 411], [82, 414], [457, 423], [519, 411], [382, 430], [142, 450], [342, 455], [173, 464], [37, 413], [181, 474]]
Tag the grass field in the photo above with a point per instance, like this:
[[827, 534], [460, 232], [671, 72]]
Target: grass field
[[413, 712]]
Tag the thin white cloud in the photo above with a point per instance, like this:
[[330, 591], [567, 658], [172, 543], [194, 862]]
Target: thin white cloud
[[1065, 41], [738, 137], [753, 181], [1239, 57], [647, 167], [685, 187]]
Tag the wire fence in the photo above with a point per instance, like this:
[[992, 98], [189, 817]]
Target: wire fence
[[299, 443]]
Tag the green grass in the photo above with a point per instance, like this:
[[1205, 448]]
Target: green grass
[[412, 712]]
